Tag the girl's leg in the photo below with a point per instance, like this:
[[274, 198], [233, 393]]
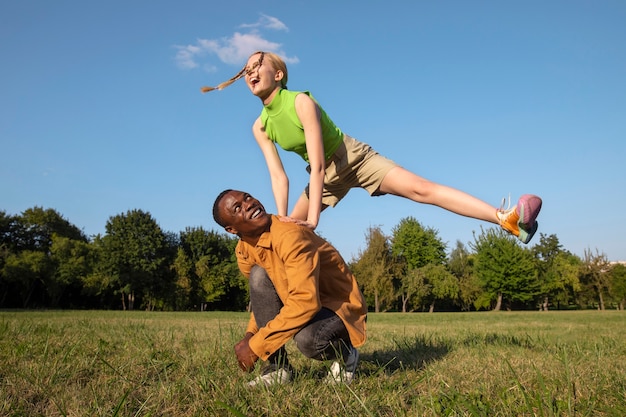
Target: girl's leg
[[404, 183]]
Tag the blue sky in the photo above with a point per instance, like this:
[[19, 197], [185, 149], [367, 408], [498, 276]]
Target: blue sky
[[101, 110]]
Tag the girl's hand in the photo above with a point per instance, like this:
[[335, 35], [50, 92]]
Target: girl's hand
[[299, 222]]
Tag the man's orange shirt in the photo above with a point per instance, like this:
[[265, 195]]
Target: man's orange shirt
[[308, 274]]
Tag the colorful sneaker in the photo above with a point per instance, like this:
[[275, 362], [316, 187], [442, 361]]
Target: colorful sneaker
[[521, 219], [272, 375], [345, 373]]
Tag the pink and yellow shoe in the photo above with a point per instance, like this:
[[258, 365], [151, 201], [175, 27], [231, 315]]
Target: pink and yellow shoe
[[521, 220]]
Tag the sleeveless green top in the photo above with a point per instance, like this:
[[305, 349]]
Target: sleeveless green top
[[283, 126]]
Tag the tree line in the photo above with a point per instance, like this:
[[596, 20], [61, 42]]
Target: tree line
[[47, 262]]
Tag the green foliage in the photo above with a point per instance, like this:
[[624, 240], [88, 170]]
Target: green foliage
[[415, 290], [45, 261], [135, 251], [461, 265], [39, 225], [207, 270], [417, 245], [445, 285], [557, 272], [373, 269], [506, 270], [72, 265], [594, 275], [617, 284], [25, 271], [422, 254]]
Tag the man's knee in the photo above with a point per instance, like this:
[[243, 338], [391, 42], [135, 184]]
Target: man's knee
[[305, 341], [258, 279]]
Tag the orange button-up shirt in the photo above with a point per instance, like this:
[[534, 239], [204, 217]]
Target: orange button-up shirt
[[308, 273]]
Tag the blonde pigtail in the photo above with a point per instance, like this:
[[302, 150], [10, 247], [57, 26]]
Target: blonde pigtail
[[225, 84]]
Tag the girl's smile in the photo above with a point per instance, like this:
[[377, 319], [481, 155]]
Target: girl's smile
[[261, 78]]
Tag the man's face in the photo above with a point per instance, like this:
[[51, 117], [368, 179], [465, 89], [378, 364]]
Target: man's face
[[244, 214]]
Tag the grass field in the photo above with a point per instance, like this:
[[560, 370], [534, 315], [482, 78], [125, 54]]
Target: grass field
[[105, 363]]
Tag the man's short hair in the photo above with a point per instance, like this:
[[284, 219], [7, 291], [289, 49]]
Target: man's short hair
[[216, 208]]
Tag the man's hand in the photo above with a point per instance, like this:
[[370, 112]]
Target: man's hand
[[246, 358], [299, 222]]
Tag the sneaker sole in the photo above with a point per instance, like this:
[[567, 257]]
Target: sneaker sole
[[526, 236], [528, 208]]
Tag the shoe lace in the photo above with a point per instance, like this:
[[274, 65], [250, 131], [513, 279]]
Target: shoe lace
[[504, 200]]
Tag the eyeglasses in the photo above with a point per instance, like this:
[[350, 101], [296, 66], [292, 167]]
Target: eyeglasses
[[256, 65]]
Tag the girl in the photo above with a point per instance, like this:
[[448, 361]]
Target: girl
[[337, 162]]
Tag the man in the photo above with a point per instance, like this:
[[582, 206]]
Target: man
[[300, 288]]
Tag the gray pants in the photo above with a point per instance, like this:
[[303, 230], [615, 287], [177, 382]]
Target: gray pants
[[324, 337]]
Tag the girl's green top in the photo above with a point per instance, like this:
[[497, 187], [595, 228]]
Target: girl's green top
[[283, 126]]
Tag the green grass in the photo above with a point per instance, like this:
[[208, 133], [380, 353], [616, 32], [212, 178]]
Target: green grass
[[104, 363]]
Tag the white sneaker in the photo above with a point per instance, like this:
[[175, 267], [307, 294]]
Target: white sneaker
[[272, 376], [345, 374]]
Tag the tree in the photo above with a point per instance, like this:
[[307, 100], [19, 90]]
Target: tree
[[185, 280], [419, 246], [12, 233], [414, 246], [565, 282], [26, 272], [26, 242], [557, 271], [415, 289], [506, 270], [71, 260], [594, 274], [444, 285], [617, 284], [461, 265], [207, 269], [373, 268], [136, 253], [40, 225]]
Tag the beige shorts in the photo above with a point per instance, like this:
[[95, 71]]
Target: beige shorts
[[353, 165]]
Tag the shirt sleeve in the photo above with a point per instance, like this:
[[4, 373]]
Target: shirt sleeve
[[245, 265]]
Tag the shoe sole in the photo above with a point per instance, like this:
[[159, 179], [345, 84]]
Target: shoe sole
[[528, 208]]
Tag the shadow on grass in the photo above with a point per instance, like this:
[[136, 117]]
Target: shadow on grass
[[408, 353], [414, 353]]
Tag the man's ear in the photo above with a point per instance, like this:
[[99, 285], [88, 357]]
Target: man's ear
[[231, 229]]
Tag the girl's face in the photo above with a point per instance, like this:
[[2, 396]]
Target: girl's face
[[261, 78]]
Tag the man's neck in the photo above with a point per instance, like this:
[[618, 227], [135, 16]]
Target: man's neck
[[254, 239]]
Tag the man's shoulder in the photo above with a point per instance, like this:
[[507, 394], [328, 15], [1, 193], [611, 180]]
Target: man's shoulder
[[289, 232], [279, 229]]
